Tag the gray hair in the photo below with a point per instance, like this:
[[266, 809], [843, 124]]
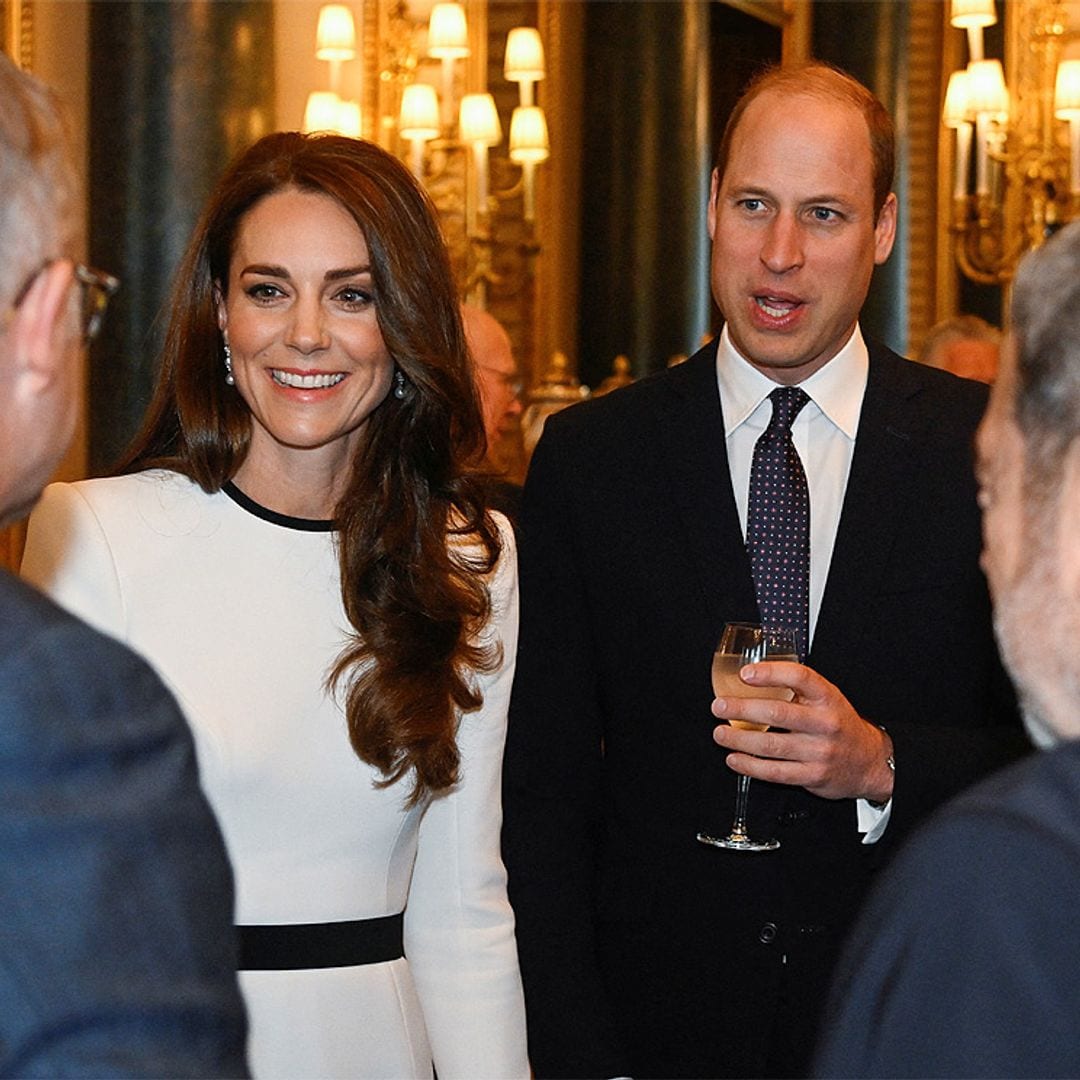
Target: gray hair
[[37, 181], [1046, 326], [957, 328]]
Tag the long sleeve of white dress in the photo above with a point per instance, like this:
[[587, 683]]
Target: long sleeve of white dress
[[242, 617]]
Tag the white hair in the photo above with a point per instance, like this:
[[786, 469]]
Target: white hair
[[37, 182]]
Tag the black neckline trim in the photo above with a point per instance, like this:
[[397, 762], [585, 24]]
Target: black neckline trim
[[252, 507]]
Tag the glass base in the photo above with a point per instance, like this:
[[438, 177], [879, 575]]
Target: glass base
[[738, 842]]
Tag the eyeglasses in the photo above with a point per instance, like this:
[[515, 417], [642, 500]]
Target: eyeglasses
[[512, 381], [95, 287]]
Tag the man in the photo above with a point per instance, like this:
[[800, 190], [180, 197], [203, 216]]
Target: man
[[965, 345], [964, 960], [497, 372], [499, 383], [116, 944], [645, 952]]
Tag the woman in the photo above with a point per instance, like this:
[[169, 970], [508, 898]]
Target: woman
[[296, 545]]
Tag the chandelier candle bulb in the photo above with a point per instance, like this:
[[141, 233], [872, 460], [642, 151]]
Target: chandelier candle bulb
[[528, 147], [987, 99], [335, 39], [418, 121], [1067, 107], [972, 16], [479, 126], [448, 40], [321, 112], [956, 115], [524, 62]]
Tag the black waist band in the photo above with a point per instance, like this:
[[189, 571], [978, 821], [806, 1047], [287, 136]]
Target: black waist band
[[321, 945]]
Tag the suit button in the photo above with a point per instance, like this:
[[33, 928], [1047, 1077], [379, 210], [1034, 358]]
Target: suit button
[[793, 817], [767, 934]]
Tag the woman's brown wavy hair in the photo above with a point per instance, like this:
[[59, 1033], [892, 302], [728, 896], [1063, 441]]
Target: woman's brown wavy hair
[[415, 543]]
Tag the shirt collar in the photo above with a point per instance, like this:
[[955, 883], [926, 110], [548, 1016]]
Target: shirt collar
[[837, 388]]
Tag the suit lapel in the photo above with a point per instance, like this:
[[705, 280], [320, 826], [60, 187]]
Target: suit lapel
[[693, 463], [879, 495]]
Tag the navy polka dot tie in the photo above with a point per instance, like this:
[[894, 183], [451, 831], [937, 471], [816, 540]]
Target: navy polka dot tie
[[778, 521]]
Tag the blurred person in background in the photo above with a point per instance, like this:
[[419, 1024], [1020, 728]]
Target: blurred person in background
[[499, 381], [965, 345]]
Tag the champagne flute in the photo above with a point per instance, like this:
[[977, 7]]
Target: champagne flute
[[740, 644]]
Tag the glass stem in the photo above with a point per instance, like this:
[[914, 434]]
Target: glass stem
[[742, 797]]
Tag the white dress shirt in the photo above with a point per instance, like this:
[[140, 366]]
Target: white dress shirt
[[824, 435]]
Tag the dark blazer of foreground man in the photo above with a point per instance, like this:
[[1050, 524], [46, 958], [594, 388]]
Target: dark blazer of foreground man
[[966, 962], [116, 942], [644, 952]]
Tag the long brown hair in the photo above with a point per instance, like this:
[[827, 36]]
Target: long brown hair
[[415, 542]]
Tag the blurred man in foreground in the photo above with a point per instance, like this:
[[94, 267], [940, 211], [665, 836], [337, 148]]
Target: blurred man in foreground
[[117, 953], [963, 964]]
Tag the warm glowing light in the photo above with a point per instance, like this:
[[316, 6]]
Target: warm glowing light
[[419, 116], [448, 33], [1067, 90], [957, 109], [986, 88], [524, 55], [971, 13], [349, 119], [335, 38], [478, 121], [321, 113], [529, 135]]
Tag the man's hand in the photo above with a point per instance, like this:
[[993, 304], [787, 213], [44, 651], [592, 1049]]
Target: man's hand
[[825, 747]]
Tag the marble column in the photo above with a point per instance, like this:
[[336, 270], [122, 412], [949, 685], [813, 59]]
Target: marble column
[[175, 90], [644, 182]]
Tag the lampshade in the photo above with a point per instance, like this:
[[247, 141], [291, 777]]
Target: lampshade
[[524, 55], [448, 34], [335, 38], [528, 135], [321, 113], [478, 121], [348, 119], [986, 88], [957, 109], [1067, 90], [419, 116], [971, 13]]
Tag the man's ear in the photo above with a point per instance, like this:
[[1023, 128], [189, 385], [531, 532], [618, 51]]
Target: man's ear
[[1069, 523], [42, 325]]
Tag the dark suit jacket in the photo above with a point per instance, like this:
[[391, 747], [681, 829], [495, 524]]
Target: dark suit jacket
[[117, 954], [965, 962], [644, 952]]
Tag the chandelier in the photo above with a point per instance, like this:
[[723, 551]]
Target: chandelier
[[433, 110], [1016, 165]]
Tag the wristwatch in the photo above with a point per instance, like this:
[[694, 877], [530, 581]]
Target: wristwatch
[[891, 762]]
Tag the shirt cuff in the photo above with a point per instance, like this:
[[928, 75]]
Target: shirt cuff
[[872, 821]]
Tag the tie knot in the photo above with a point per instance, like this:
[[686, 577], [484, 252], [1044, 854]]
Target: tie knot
[[786, 403]]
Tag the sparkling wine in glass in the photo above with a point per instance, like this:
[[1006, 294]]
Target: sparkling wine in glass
[[741, 644]]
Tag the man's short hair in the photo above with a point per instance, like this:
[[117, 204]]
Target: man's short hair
[[1046, 326], [825, 82], [37, 181]]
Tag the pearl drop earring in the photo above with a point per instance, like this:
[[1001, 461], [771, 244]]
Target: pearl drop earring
[[229, 380]]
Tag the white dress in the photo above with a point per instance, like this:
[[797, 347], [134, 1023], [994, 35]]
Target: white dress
[[240, 611]]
